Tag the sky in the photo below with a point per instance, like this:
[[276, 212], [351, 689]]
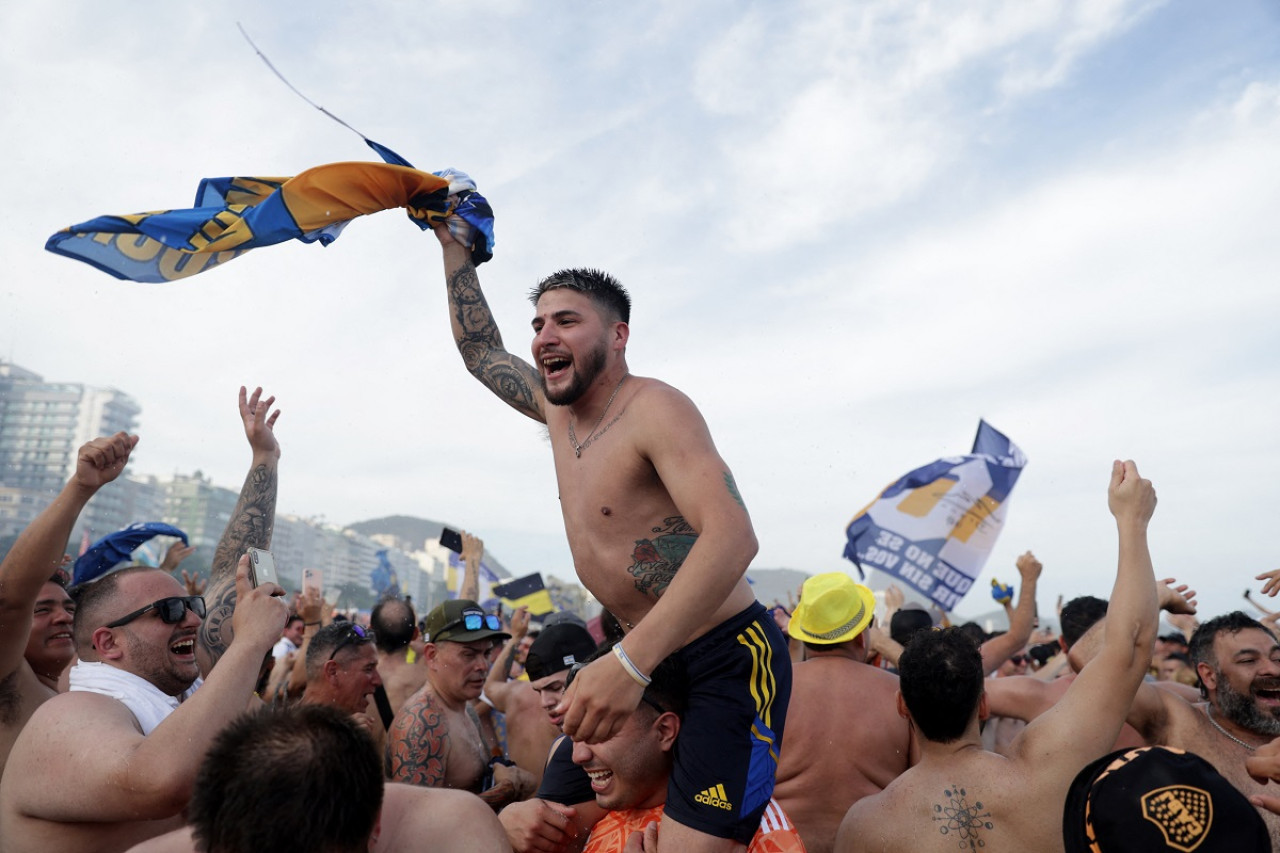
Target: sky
[[850, 230]]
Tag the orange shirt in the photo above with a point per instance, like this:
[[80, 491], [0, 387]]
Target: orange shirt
[[775, 835]]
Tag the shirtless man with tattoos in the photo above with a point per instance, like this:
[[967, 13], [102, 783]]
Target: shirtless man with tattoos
[[959, 796], [113, 761], [435, 740], [659, 535]]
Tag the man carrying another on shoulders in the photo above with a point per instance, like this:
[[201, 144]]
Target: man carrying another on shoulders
[[629, 774], [659, 535]]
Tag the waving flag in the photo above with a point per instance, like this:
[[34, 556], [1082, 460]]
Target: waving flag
[[116, 548], [383, 579], [233, 215], [528, 591], [935, 527]]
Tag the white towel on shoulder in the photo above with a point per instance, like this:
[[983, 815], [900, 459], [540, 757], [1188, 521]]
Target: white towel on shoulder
[[149, 704]]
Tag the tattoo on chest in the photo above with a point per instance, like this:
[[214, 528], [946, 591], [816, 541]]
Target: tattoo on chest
[[658, 557], [962, 819]]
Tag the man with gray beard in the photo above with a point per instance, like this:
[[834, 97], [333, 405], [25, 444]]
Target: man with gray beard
[[1238, 661]]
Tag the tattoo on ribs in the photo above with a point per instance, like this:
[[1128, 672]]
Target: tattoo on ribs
[[658, 557], [961, 818], [733, 489]]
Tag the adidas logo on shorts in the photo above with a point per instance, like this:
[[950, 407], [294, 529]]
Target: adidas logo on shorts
[[715, 796]]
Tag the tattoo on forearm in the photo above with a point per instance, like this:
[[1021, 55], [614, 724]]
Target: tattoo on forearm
[[659, 557], [250, 527], [480, 344], [417, 745], [962, 819], [733, 489]]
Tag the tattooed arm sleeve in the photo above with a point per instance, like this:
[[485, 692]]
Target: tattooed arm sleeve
[[417, 745], [480, 342], [250, 527]]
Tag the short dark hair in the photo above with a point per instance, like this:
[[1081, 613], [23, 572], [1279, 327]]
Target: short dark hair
[[904, 624], [394, 621], [92, 597], [304, 777], [1079, 615], [293, 617], [940, 676], [600, 287], [326, 642], [1200, 647], [974, 632]]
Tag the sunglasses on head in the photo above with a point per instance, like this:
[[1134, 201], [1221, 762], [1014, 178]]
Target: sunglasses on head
[[354, 635], [170, 610], [474, 621]]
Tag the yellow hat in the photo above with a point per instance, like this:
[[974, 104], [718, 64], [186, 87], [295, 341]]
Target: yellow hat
[[832, 609]]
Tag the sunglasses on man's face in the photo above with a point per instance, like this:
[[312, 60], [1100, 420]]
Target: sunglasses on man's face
[[170, 610], [357, 634], [1019, 660]]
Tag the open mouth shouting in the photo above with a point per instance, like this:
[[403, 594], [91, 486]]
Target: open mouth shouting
[[184, 648], [554, 366]]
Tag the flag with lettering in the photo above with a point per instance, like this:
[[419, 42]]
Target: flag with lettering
[[234, 215], [934, 528]]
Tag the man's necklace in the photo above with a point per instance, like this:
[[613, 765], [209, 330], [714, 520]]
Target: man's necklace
[[573, 438], [1209, 710]]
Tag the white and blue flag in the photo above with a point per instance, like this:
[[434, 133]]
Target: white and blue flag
[[934, 528]]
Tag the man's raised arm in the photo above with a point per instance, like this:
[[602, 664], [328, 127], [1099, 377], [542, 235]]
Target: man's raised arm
[[250, 526], [478, 338], [1085, 722], [37, 553], [998, 650]]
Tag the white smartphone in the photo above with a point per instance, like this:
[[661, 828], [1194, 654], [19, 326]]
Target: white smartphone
[[262, 567], [312, 579]]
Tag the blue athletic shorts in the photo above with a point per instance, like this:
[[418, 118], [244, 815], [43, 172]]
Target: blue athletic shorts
[[726, 754]]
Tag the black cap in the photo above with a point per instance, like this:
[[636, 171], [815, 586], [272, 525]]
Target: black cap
[[557, 648], [1158, 799]]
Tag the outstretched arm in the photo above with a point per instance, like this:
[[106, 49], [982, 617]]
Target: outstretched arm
[[1085, 723], [477, 336], [250, 526], [497, 687], [998, 650], [37, 553]]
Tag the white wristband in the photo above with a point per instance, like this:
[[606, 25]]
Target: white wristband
[[632, 670]]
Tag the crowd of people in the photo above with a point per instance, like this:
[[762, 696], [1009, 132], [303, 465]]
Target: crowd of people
[[143, 712]]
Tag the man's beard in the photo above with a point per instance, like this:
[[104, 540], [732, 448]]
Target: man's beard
[[1241, 709], [585, 372]]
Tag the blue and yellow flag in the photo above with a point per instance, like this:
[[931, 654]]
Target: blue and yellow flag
[[233, 215], [935, 527], [528, 591]]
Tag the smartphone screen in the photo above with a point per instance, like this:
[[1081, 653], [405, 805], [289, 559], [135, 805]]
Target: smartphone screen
[[262, 567], [452, 540]]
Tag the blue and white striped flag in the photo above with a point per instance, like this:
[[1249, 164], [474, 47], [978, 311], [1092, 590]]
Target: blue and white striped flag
[[934, 528]]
